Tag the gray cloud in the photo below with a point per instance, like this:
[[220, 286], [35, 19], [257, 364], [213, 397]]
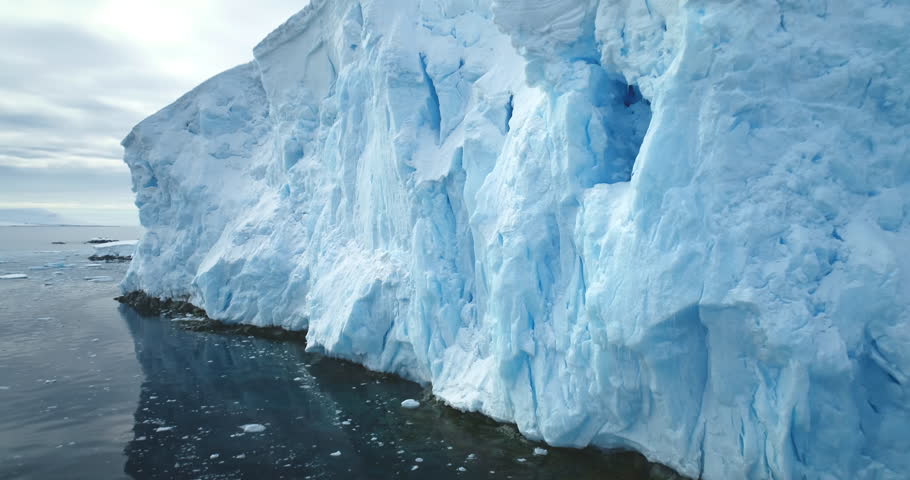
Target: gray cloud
[[71, 88]]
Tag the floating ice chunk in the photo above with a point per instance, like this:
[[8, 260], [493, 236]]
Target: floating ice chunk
[[522, 460], [336, 453], [253, 428], [164, 429], [410, 403], [418, 460], [471, 456], [540, 451], [13, 276], [462, 469], [4, 387], [415, 467], [214, 456]]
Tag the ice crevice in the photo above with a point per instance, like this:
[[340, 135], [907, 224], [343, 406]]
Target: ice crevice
[[669, 226]]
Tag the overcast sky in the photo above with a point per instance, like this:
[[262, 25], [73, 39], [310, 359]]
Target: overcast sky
[[76, 75]]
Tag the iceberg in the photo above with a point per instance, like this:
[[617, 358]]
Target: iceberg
[[671, 226], [114, 250]]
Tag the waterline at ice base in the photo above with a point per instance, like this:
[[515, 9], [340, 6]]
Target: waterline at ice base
[[677, 227]]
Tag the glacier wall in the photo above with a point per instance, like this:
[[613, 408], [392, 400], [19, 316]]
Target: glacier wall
[[674, 226]]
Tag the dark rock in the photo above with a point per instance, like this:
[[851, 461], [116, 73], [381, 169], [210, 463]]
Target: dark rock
[[199, 320], [109, 258], [102, 240]]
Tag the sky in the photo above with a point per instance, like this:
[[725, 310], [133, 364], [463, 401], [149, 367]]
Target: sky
[[76, 75]]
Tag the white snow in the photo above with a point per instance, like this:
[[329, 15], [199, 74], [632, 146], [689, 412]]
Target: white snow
[[123, 249], [252, 428], [13, 276], [677, 227], [410, 403]]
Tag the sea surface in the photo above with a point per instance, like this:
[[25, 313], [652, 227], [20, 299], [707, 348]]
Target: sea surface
[[90, 389]]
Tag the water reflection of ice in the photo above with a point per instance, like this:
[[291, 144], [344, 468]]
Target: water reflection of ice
[[205, 397]]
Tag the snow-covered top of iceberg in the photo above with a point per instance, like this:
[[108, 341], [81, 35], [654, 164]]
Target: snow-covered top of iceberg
[[678, 227]]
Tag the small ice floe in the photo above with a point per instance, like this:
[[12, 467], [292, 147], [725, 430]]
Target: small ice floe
[[140, 439], [13, 276], [100, 279], [164, 429], [540, 451], [240, 457], [4, 387], [415, 467], [418, 460], [522, 460], [299, 379], [462, 469], [214, 456], [410, 403], [471, 456], [336, 453], [252, 428]]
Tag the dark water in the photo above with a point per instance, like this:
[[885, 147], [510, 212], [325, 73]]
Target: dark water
[[90, 389]]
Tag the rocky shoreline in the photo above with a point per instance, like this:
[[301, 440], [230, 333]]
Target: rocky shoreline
[[196, 319], [110, 258]]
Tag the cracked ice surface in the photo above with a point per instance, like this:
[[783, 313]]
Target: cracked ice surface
[[678, 227]]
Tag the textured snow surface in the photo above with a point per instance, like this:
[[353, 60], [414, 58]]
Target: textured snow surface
[[678, 227]]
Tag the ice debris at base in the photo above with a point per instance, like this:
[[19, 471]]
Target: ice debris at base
[[677, 227], [540, 451], [410, 403], [252, 428], [13, 276]]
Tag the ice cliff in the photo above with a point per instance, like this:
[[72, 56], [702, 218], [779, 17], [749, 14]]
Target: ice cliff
[[674, 226]]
